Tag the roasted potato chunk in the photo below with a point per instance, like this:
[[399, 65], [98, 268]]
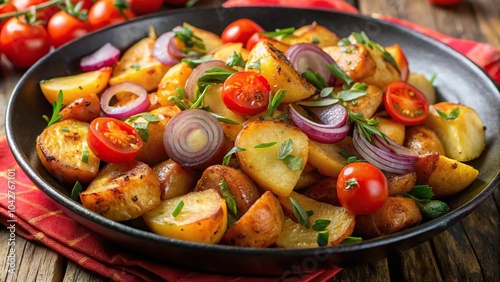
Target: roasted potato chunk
[[297, 236], [122, 191], [392, 129], [424, 85], [210, 40], [84, 109], [227, 50], [325, 191], [329, 158], [262, 164], [423, 140], [260, 226], [202, 218], [315, 33], [244, 191], [450, 176], [61, 148], [279, 72], [368, 104], [175, 180], [400, 183], [397, 214], [175, 77]]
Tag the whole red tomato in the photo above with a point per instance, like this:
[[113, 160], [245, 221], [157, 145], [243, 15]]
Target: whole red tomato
[[24, 43], [445, 2], [63, 27], [43, 14], [240, 31], [108, 12], [86, 4], [362, 188], [142, 7], [6, 7]]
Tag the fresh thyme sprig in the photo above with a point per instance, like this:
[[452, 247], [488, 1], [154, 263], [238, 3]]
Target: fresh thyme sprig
[[56, 108]]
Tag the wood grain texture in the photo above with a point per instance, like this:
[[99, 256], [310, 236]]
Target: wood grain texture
[[377, 272]]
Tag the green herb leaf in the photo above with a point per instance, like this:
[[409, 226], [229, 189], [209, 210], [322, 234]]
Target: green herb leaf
[[225, 119], [279, 32], [85, 156], [285, 149], [315, 79], [294, 163], [344, 42], [339, 73], [227, 157], [322, 239], [422, 195], [75, 192], [191, 3], [212, 76], [136, 67], [254, 65], [366, 127], [422, 192], [299, 213], [274, 102], [65, 129], [321, 224], [199, 100], [315, 41], [230, 220], [142, 130], [180, 98], [265, 145], [351, 240], [178, 208], [350, 95], [228, 197], [190, 40], [147, 116], [194, 62], [451, 116], [56, 108], [433, 78], [236, 60]]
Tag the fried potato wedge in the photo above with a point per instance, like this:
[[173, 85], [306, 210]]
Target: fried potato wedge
[[368, 104], [279, 72], [84, 109], [260, 226], [175, 180], [400, 183], [463, 137], [209, 39], [202, 218], [325, 191], [297, 236], [450, 176], [354, 60], [317, 34], [424, 85], [329, 158], [228, 49], [262, 163], [61, 148], [392, 129], [175, 77], [122, 191], [423, 140]]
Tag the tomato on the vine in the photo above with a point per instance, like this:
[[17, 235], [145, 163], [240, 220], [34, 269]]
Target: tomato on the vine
[[246, 93], [64, 27], [113, 140], [240, 31], [42, 14], [24, 43], [108, 12], [362, 188], [86, 4], [6, 7], [142, 7], [405, 103], [256, 37]]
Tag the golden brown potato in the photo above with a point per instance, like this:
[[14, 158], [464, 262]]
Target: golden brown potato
[[227, 50], [84, 109], [175, 180], [385, 73], [450, 176], [329, 158], [244, 191], [262, 164], [308, 178], [202, 218], [464, 137], [153, 150], [325, 191], [354, 60], [423, 140], [399, 183], [175, 77], [315, 33], [368, 104], [260, 226], [297, 236], [61, 148], [397, 214], [392, 128], [279, 44], [424, 85], [122, 191], [279, 72], [424, 166], [210, 40]]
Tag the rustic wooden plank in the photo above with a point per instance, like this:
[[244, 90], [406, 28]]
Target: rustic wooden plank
[[455, 255], [482, 228], [378, 271], [488, 15], [417, 264], [4, 253], [75, 273]]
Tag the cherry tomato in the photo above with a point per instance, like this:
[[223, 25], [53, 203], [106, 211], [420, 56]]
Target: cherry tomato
[[405, 103], [113, 140], [6, 7], [246, 93], [256, 37], [400, 58], [43, 14], [108, 12], [142, 7], [24, 43], [64, 27], [362, 188], [240, 31], [86, 3], [445, 2]]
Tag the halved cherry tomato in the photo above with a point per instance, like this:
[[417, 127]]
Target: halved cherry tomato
[[240, 31], [400, 58], [405, 103], [113, 140], [256, 37], [246, 93], [108, 12], [362, 188]]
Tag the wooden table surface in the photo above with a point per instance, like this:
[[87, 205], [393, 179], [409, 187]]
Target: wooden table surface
[[468, 251]]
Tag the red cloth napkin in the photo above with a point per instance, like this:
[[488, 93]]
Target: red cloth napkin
[[484, 55], [33, 216]]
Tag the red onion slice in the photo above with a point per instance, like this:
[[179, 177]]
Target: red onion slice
[[161, 50], [194, 138], [382, 157], [106, 56], [304, 56], [323, 133], [135, 106], [334, 115], [192, 81]]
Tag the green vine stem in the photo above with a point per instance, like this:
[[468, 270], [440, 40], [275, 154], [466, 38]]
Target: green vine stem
[[38, 7]]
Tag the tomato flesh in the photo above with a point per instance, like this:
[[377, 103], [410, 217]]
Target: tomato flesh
[[256, 37], [113, 140], [240, 31], [405, 103], [246, 93], [362, 188]]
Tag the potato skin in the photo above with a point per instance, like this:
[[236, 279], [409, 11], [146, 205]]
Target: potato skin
[[260, 226], [122, 191], [84, 109], [450, 176], [397, 214], [175, 180], [423, 140], [325, 191], [400, 183], [60, 149], [242, 188]]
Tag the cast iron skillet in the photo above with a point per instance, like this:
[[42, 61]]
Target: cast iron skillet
[[458, 80]]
